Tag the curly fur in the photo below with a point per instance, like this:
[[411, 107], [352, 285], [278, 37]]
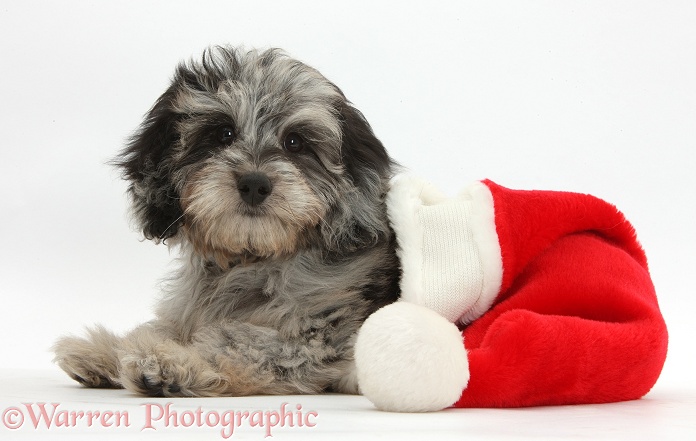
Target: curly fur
[[268, 297]]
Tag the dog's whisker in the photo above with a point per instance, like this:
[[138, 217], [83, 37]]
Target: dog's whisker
[[286, 206], [164, 233]]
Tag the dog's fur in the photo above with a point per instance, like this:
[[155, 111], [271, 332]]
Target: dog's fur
[[272, 287]]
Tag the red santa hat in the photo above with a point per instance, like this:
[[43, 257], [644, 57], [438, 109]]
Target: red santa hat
[[511, 298]]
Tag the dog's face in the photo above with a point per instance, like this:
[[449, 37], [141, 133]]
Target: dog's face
[[255, 155]]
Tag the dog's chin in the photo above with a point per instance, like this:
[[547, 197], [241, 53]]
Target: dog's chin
[[225, 230], [240, 239]]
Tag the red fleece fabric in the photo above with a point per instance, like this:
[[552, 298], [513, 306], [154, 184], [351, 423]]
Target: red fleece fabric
[[576, 319]]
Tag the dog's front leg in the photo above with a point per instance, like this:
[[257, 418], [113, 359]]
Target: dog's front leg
[[153, 362], [233, 359], [90, 360]]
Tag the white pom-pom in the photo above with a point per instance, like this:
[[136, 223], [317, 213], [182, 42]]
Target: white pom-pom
[[410, 359]]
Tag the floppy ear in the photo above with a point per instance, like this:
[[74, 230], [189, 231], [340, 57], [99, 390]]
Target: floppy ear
[[360, 218], [147, 164], [363, 154]]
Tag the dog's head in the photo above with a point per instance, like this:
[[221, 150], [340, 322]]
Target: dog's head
[[254, 155]]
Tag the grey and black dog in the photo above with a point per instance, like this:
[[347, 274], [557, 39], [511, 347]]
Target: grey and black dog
[[272, 186]]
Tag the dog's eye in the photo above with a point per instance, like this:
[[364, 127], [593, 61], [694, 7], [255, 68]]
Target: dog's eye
[[293, 142], [225, 134]]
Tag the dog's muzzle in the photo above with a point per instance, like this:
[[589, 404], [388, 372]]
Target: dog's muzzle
[[254, 188]]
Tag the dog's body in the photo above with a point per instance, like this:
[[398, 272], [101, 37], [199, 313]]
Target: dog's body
[[272, 186]]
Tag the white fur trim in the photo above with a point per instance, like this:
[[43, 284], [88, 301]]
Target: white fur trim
[[404, 200], [448, 247], [410, 359], [485, 236]]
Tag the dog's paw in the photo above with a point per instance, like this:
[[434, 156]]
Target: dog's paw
[[167, 369], [90, 361]]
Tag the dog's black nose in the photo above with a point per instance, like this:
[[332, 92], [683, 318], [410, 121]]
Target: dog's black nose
[[254, 188]]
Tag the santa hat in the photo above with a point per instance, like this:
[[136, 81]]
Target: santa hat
[[511, 298]]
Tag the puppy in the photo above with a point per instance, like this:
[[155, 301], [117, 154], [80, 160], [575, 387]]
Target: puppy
[[271, 185]]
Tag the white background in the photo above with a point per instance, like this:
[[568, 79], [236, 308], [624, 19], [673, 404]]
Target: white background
[[596, 97]]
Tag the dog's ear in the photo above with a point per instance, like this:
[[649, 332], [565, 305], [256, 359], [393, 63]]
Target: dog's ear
[[360, 218], [147, 159], [146, 163], [363, 154]]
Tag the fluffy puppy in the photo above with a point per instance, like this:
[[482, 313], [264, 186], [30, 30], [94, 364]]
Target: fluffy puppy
[[271, 185]]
